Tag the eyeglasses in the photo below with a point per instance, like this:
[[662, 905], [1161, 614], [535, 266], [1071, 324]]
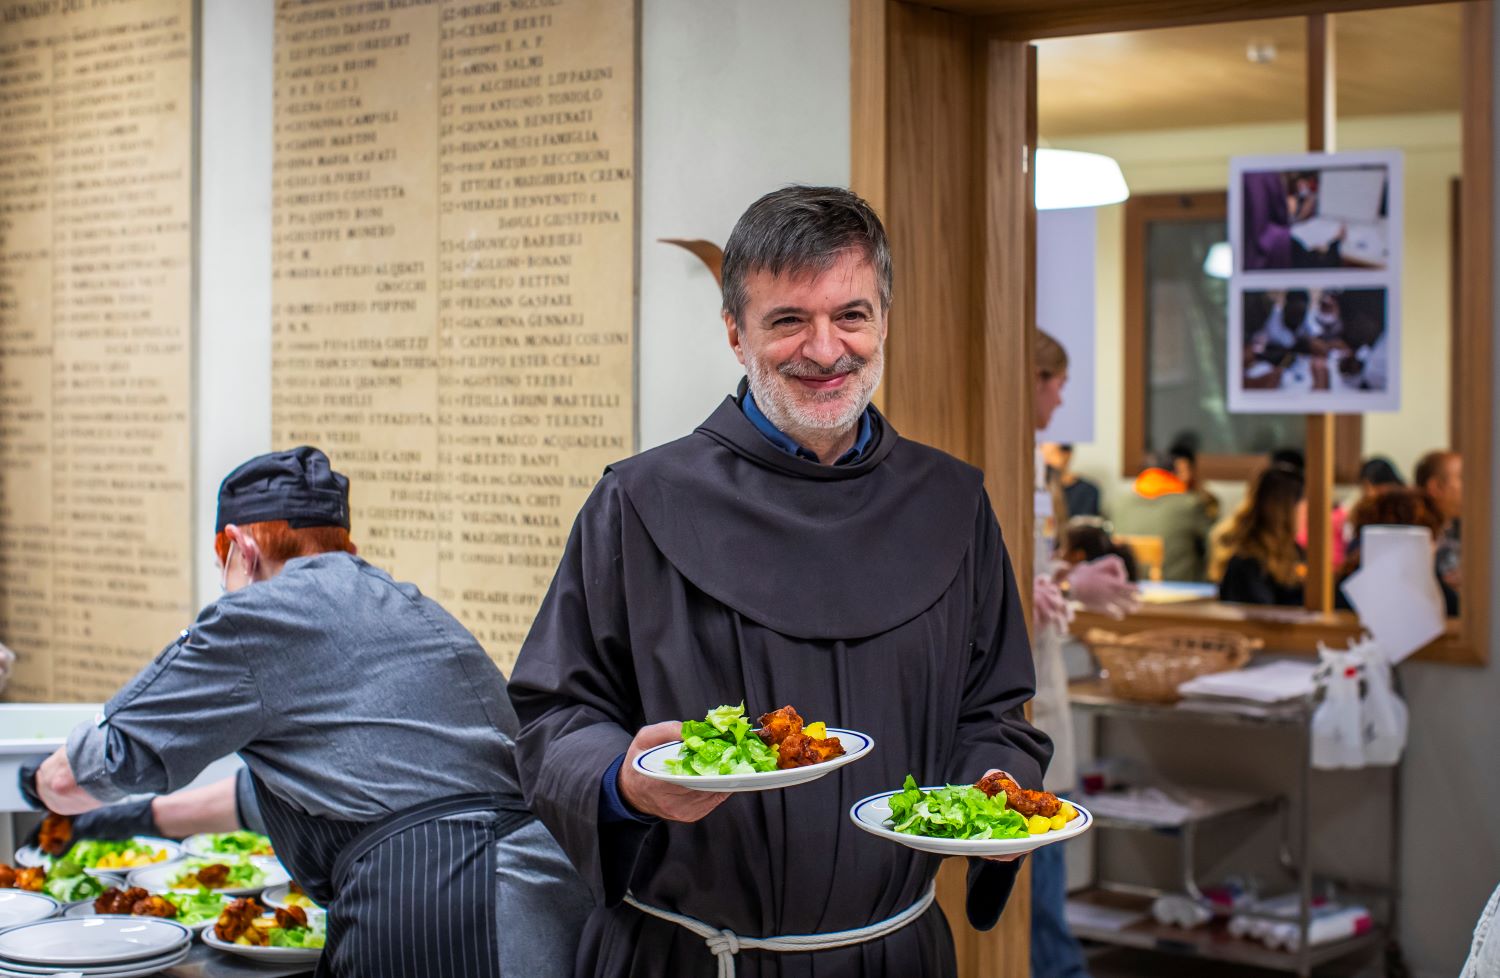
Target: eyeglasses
[[224, 571]]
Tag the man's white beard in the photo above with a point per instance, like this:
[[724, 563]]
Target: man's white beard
[[790, 414]]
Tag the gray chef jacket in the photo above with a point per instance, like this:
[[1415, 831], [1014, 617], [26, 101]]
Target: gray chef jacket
[[348, 694]]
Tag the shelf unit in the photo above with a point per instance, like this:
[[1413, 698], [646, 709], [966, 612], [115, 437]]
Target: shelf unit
[[1212, 941]]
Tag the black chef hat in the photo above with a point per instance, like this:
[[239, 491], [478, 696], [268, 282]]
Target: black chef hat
[[298, 486]]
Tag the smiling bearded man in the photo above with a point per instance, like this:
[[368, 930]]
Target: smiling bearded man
[[792, 550]]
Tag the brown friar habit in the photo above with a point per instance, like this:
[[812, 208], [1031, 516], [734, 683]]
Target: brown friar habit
[[875, 595]]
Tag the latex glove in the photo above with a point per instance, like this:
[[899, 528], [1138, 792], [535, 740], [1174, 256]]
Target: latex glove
[[1103, 587], [1049, 606], [122, 821]]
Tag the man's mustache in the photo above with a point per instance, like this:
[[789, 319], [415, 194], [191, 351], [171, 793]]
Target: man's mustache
[[846, 364]]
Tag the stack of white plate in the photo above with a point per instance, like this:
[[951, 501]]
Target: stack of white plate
[[94, 947], [24, 906]]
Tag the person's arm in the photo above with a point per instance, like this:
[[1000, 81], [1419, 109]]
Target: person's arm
[[197, 702], [211, 808], [993, 733], [575, 694]]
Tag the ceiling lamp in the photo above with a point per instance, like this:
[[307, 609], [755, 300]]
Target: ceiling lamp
[[1067, 178], [1219, 262]]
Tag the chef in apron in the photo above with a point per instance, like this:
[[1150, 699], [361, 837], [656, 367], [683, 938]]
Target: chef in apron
[[377, 732]]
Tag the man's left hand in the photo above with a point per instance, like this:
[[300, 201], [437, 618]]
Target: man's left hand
[[57, 789]]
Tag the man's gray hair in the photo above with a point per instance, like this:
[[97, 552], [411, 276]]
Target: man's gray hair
[[802, 229]]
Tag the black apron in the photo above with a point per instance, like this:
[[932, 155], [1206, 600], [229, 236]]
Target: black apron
[[411, 894]]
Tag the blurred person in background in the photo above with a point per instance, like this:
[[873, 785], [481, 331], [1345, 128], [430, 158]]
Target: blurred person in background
[[1100, 585], [1398, 506], [1080, 495], [1184, 458], [1266, 564], [1441, 476], [1161, 505]]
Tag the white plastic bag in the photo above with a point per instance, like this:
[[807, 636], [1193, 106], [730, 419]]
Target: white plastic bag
[[1338, 722], [1385, 715]]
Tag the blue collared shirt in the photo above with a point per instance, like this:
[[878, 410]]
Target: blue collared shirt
[[787, 444], [612, 807]]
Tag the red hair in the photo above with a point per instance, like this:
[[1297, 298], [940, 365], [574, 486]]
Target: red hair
[[279, 543]]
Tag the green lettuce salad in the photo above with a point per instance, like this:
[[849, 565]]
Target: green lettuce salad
[[954, 812], [310, 936], [723, 742], [97, 853], [242, 875], [239, 843], [66, 882], [197, 908]]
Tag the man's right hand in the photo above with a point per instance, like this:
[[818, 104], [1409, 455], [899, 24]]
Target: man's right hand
[[651, 797]]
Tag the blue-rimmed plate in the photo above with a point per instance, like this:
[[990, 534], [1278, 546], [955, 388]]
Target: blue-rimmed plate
[[653, 764], [873, 814]]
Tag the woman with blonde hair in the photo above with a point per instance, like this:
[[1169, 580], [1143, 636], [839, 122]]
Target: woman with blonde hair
[[1265, 564]]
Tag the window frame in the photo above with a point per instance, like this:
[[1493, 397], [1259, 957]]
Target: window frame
[[1141, 211]]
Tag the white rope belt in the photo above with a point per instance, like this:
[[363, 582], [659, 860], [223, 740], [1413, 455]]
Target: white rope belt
[[725, 944]]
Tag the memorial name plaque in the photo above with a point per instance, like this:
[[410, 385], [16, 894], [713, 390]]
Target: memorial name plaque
[[453, 307], [96, 555]]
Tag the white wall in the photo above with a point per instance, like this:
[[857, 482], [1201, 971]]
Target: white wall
[[233, 395], [1451, 765], [737, 99]]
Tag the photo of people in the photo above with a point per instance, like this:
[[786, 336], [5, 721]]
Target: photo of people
[[1312, 349], [1315, 212]]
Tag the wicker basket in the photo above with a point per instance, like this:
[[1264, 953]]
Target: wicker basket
[[1150, 665]]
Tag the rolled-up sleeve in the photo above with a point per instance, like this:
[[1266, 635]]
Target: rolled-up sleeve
[[196, 702]]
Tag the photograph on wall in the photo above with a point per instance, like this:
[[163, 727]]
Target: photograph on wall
[[1322, 348], [1319, 213]]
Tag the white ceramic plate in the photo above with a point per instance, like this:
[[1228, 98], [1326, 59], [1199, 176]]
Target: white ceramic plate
[[133, 969], [198, 845], [85, 908], [276, 896], [653, 764], [872, 815], [23, 906], [158, 879], [91, 941], [270, 955], [32, 856]]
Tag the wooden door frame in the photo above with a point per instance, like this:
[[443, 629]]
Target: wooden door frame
[[960, 351]]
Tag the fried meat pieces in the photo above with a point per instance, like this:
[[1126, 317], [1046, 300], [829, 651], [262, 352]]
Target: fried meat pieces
[[238, 920], [795, 748], [134, 901], [1028, 803], [56, 834]]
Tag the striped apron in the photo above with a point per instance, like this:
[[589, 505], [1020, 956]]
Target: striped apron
[[411, 894]]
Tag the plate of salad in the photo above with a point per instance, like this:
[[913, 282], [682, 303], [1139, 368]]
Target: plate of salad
[[235, 877], [212, 845], [63, 881], [194, 911], [289, 895], [969, 820], [725, 752], [285, 935], [112, 857]]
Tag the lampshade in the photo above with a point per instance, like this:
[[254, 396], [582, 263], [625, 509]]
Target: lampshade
[[1068, 178], [1219, 262]]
